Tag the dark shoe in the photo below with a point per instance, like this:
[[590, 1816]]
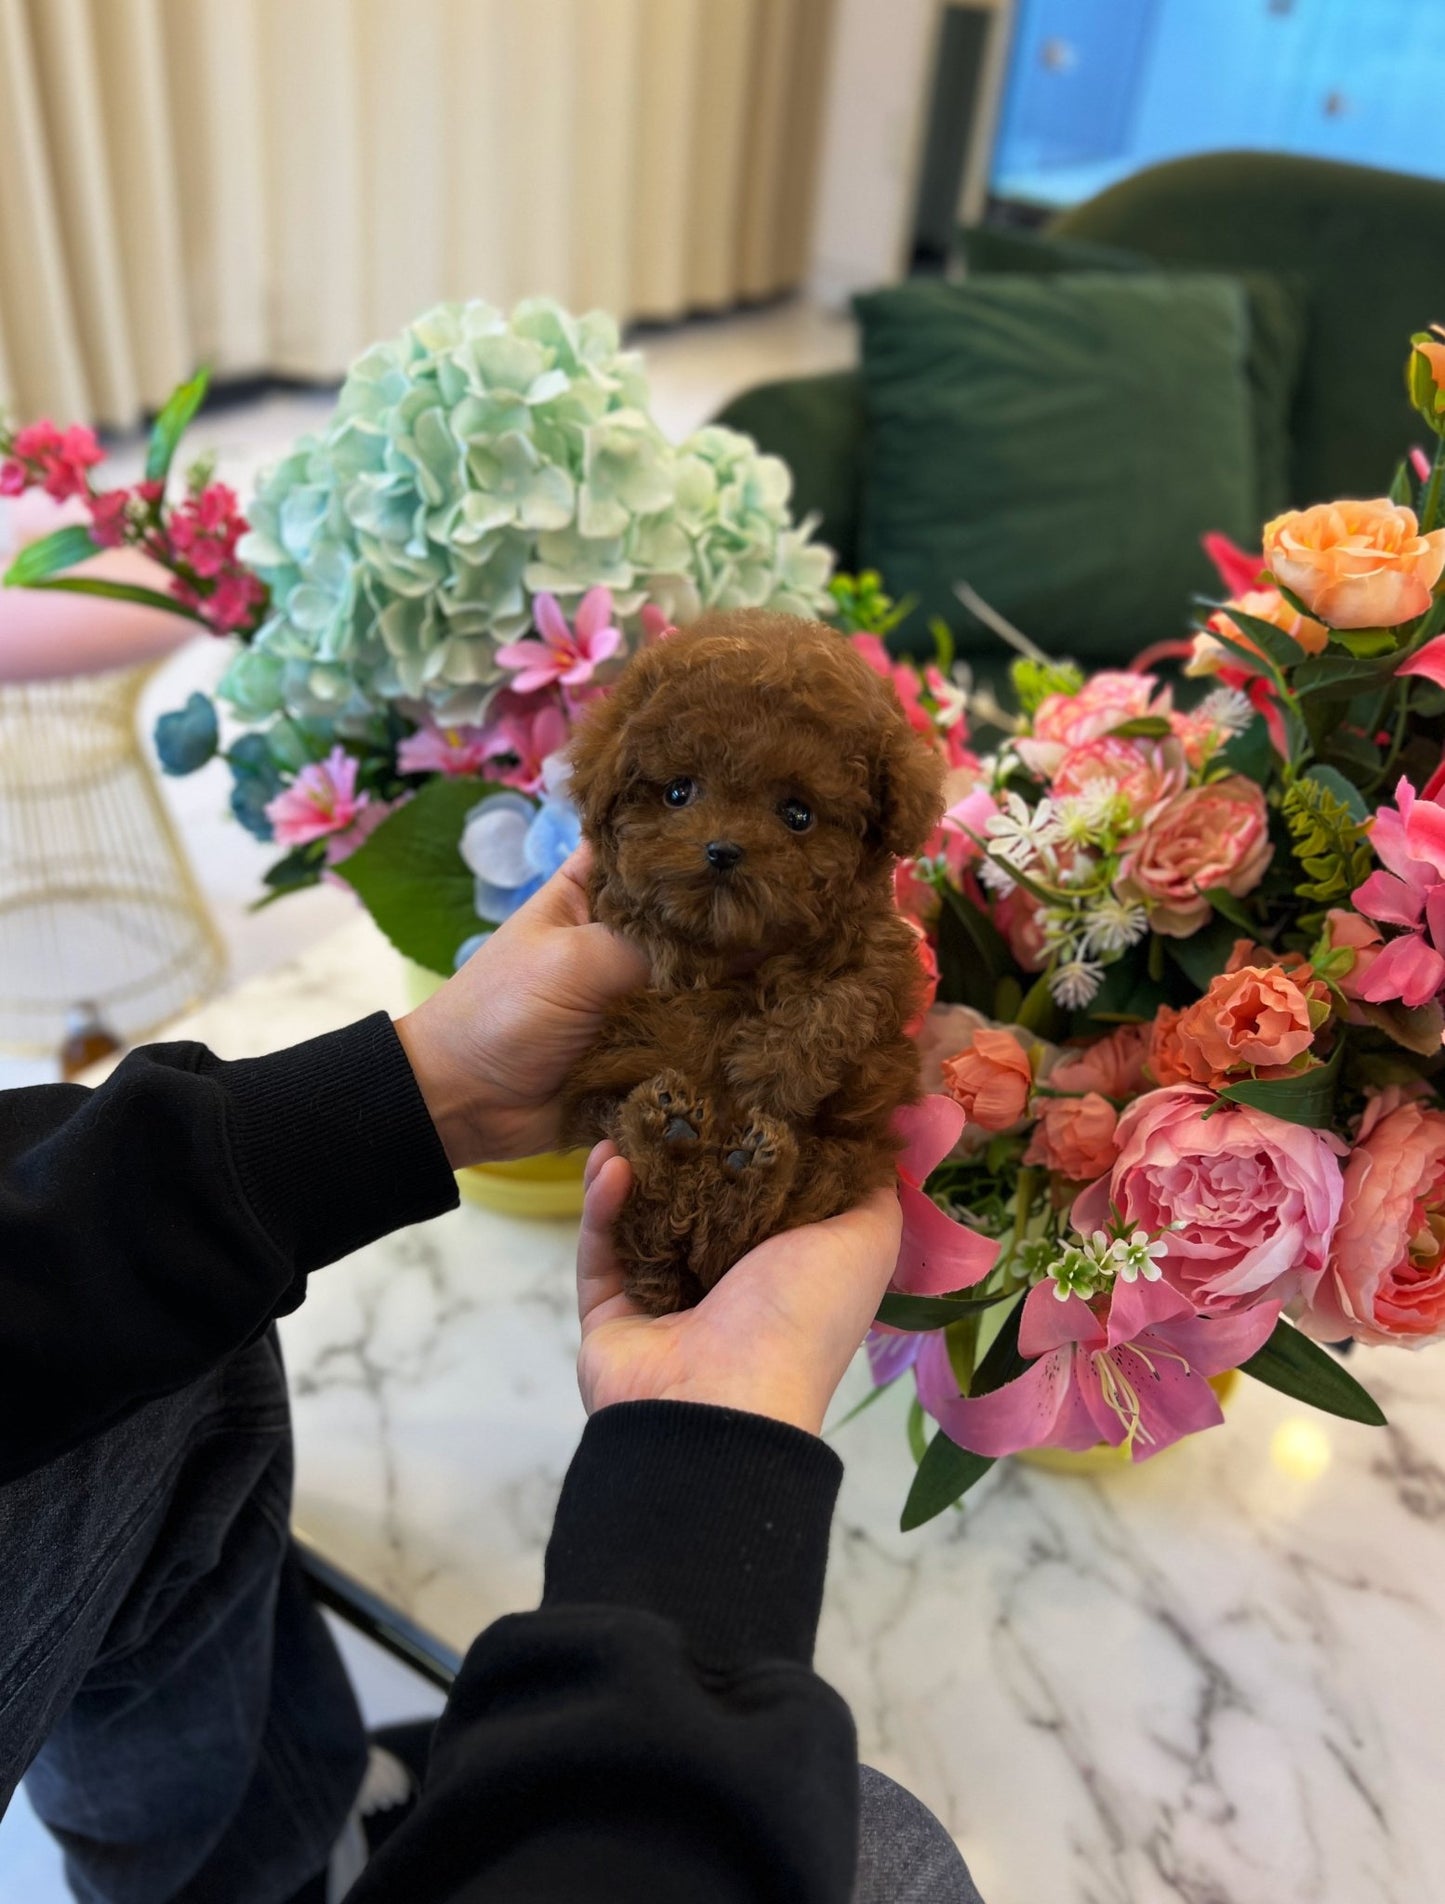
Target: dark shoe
[[387, 1798]]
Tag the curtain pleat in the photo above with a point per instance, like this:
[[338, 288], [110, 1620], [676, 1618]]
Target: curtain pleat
[[267, 185]]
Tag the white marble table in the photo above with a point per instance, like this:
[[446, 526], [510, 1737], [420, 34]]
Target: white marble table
[[1216, 1679]]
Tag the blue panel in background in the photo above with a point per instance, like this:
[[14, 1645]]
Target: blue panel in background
[[1099, 88]]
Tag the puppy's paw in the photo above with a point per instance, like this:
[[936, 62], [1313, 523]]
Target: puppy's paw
[[666, 1115], [760, 1148]]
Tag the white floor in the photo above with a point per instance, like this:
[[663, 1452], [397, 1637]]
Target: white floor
[[694, 369]]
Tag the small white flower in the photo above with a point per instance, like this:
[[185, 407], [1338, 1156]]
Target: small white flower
[[1074, 983], [1091, 814], [995, 880], [1227, 709], [1113, 925], [1021, 833], [952, 702]]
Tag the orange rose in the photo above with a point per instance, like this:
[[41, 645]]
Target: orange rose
[[1112, 1065], [1434, 356], [1254, 1019], [991, 1080], [1075, 1137], [1356, 564], [1165, 1063], [1265, 604]]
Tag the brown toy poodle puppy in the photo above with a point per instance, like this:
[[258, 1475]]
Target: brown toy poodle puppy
[[747, 788]]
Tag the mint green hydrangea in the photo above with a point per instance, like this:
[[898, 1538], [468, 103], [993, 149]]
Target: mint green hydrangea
[[471, 463]]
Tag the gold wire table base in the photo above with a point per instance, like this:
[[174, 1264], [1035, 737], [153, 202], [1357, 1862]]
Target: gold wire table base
[[97, 898]]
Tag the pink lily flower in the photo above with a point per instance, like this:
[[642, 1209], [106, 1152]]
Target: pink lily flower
[[1429, 662], [1237, 568], [562, 653], [1410, 892], [521, 735], [453, 751], [1128, 1368], [937, 1254], [321, 800]]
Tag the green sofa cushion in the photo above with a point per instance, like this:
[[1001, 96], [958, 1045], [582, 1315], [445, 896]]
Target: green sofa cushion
[[816, 425], [1060, 444], [1278, 332]]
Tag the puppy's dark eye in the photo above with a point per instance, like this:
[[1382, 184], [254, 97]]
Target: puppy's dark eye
[[680, 792], [797, 815]]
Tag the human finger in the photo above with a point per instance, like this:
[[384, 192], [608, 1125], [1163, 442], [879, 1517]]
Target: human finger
[[599, 1273]]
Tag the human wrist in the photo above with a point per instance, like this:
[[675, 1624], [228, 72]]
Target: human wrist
[[456, 1106]]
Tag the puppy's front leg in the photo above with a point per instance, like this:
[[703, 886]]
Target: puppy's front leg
[[791, 1057]]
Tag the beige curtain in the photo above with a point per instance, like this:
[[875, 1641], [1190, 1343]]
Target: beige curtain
[[267, 185]]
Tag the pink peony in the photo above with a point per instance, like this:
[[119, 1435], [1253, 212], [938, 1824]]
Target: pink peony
[[1128, 1368], [1247, 1202], [1075, 1136], [558, 653], [991, 1078], [1410, 838], [1214, 835], [1143, 773], [321, 800], [1386, 1279]]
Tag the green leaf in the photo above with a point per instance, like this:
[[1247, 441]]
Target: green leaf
[[117, 592], [1250, 753], [972, 953], [1345, 791], [1294, 601], [858, 1407], [1334, 668], [1228, 907], [1303, 1370], [1002, 1362], [1402, 489], [411, 876], [1204, 954], [1417, 1028], [169, 427], [48, 554], [1366, 642], [1143, 727], [945, 1474], [917, 1433], [1282, 649], [1307, 1098], [902, 1311]]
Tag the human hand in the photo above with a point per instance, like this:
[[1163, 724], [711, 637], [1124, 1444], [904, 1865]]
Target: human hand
[[492, 1049], [773, 1337]]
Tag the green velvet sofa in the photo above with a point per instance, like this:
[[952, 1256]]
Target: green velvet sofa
[[1365, 248]]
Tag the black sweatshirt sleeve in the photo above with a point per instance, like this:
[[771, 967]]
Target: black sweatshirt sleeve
[[152, 1226], [655, 1729]]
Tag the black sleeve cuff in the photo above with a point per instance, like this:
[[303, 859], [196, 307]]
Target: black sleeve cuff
[[333, 1143], [713, 1518]]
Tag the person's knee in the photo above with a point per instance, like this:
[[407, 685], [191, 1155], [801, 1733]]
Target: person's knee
[[904, 1854]]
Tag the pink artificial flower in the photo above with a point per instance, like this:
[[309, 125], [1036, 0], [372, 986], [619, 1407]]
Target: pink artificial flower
[[1105, 701], [232, 603], [1075, 1137], [1144, 773], [1410, 838], [56, 459], [522, 732], [928, 961], [108, 518], [906, 681], [1429, 662], [990, 1079], [203, 530], [937, 1255], [321, 800], [1129, 1368], [1386, 1280], [1420, 463], [1112, 1066], [655, 624], [1245, 1203], [562, 655], [456, 752], [1214, 835]]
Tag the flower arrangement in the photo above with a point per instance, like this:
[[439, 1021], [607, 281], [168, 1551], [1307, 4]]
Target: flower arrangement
[[1190, 956], [427, 593]]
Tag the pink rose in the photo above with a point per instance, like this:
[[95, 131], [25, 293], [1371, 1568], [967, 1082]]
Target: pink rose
[[1246, 1203], [991, 1079], [1105, 701], [1215, 835], [1386, 1280], [1075, 1137], [1144, 773], [1356, 564]]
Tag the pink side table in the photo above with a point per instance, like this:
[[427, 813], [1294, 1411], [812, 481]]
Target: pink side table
[[97, 899]]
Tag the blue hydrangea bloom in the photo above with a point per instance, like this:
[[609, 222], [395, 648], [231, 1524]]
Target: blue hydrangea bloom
[[187, 738], [514, 846], [257, 782]]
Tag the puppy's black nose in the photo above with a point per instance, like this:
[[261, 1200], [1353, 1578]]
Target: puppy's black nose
[[723, 855]]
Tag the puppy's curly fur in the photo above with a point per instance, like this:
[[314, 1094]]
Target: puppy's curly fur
[[747, 788]]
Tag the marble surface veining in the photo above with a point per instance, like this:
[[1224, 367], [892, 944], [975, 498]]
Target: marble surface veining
[[1218, 1678]]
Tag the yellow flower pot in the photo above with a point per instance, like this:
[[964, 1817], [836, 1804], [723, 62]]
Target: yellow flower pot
[[545, 1186], [1104, 1459]]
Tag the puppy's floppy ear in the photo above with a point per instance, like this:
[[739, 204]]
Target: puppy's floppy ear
[[907, 788], [602, 764]]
